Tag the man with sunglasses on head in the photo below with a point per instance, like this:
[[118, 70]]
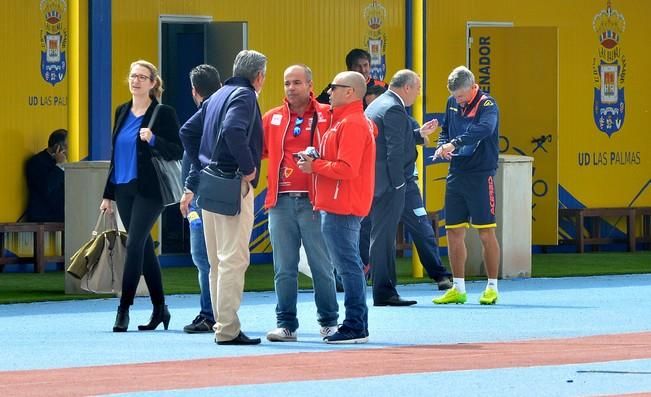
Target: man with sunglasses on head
[[357, 60], [344, 177], [469, 139], [290, 129]]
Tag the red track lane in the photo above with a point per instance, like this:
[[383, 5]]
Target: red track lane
[[356, 363]]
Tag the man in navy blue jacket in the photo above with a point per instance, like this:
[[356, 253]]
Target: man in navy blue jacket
[[239, 150], [469, 138]]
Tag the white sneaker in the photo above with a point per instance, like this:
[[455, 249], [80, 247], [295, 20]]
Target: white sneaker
[[327, 331], [281, 335]]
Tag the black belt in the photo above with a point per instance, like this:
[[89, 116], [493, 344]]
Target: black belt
[[295, 194]]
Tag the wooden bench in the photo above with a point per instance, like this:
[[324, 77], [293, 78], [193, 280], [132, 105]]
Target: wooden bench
[[645, 238], [39, 229], [595, 238], [402, 244]]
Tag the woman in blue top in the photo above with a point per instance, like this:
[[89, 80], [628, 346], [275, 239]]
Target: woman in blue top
[[132, 183]]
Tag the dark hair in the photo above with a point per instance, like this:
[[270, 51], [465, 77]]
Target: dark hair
[[205, 80], [355, 54], [57, 137], [376, 90]]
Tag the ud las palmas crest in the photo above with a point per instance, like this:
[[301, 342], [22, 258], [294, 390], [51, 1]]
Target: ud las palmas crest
[[376, 39], [54, 39], [609, 70]]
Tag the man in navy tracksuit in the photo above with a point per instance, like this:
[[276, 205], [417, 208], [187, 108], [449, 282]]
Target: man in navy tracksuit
[[469, 138]]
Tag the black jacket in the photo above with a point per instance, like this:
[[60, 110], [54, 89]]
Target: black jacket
[[395, 144], [45, 185], [167, 143]]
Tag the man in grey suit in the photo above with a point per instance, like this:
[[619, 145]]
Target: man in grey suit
[[394, 165]]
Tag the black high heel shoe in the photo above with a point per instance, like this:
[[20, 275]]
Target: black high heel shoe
[[159, 315], [121, 320]]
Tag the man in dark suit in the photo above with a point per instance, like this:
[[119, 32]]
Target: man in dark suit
[[45, 180], [394, 165]]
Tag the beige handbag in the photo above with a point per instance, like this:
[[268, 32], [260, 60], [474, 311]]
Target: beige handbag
[[105, 274]]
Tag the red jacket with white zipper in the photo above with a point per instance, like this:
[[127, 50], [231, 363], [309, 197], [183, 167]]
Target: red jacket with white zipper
[[345, 171], [276, 126]]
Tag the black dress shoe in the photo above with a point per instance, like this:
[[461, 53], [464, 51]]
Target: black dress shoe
[[240, 339], [444, 283], [394, 301]]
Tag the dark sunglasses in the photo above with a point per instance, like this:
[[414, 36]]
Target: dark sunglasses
[[332, 86], [297, 126]]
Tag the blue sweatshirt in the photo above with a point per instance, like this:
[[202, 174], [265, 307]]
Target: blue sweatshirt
[[475, 128], [236, 150]]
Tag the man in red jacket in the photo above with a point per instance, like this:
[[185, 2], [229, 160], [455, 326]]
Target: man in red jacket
[[288, 129], [344, 169]]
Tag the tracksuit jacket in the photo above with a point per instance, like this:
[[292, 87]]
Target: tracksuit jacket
[[274, 141], [345, 171], [476, 130]]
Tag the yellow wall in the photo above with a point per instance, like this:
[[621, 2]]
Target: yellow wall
[[33, 108], [318, 34], [25, 128], [594, 185]]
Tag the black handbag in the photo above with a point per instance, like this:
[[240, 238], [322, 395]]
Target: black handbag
[[220, 191], [168, 172]]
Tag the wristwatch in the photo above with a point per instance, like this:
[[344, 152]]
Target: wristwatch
[[455, 142]]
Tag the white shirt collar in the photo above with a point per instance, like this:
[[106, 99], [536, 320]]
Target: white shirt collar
[[397, 96]]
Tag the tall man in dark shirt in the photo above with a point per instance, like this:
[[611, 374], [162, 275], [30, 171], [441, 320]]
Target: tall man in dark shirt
[[357, 60], [45, 180], [205, 81], [239, 150]]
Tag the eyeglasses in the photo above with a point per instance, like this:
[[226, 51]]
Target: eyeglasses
[[297, 126], [140, 77], [332, 86]]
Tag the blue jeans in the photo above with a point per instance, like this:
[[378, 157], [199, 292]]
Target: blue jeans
[[341, 235], [290, 221], [200, 259]]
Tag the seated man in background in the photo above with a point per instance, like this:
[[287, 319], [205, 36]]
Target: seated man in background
[[45, 180]]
